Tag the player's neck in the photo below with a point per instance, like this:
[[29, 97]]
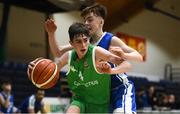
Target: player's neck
[[96, 37], [99, 34]]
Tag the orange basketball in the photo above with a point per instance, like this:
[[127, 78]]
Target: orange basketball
[[44, 74]]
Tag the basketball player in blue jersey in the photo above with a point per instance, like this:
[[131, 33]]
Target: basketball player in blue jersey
[[6, 98], [122, 89], [33, 104]]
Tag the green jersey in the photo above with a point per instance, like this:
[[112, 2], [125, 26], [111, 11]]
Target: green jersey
[[85, 82]]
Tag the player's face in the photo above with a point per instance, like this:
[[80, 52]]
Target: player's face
[[80, 44], [93, 22], [7, 87]]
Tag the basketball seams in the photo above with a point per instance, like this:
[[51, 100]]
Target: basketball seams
[[50, 79], [42, 71]]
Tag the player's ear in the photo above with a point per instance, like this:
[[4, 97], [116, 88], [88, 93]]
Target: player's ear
[[102, 22]]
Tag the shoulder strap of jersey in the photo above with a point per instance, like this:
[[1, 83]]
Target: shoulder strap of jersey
[[105, 41]]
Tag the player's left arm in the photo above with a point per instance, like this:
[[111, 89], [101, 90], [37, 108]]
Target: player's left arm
[[105, 67], [104, 55], [127, 52]]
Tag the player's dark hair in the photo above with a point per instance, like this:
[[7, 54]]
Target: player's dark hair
[[77, 29], [97, 9]]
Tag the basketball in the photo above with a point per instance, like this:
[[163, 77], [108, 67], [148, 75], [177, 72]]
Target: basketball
[[44, 73]]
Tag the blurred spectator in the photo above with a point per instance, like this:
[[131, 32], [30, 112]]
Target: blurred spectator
[[172, 101], [146, 98], [151, 97], [6, 98], [34, 103], [163, 102], [141, 99]]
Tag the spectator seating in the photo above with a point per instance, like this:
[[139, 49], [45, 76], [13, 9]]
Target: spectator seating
[[22, 86]]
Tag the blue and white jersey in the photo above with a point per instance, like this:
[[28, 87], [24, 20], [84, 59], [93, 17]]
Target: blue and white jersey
[[30, 103], [4, 97], [105, 42], [122, 97]]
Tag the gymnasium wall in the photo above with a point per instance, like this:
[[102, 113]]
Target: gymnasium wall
[[162, 35], [63, 21], [25, 39], [1, 47]]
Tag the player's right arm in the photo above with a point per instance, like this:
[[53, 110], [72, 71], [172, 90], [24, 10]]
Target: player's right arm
[[56, 50], [63, 60]]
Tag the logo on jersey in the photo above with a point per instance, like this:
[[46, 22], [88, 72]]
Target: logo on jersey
[[86, 64], [86, 84]]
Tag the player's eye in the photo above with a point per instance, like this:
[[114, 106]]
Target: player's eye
[[86, 40]]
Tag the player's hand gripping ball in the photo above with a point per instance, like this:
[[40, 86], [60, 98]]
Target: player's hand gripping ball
[[43, 73]]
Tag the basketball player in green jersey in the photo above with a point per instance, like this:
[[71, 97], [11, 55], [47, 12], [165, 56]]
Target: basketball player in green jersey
[[90, 86]]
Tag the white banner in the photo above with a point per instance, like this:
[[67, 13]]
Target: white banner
[[56, 104]]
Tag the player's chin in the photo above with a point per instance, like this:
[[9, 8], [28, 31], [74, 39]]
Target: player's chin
[[91, 32], [83, 54]]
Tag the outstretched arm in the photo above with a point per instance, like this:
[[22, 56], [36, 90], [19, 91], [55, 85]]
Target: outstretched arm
[[105, 67], [127, 52], [104, 55], [56, 50]]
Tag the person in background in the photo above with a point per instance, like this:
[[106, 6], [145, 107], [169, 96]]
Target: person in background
[[6, 98], [172, 103], [34, 103], [151, 96]]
